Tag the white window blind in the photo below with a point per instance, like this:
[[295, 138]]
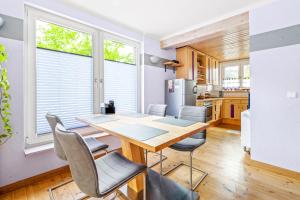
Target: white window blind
[[120, 85], [64, 87]]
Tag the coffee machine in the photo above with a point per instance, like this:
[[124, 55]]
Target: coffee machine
[[108, 108]]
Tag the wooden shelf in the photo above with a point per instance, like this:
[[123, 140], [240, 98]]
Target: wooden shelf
[[172, 64]]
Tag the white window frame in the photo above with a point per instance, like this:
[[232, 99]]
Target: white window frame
[[239, 63], [98, 36], [137, 46]]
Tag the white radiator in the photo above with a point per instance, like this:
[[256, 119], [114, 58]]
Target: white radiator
[[245, 130]]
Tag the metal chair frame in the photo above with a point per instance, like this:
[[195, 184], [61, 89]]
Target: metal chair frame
[[116, 190], [192, 187]]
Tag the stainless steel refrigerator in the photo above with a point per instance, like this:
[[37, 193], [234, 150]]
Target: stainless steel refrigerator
[[179, 92]]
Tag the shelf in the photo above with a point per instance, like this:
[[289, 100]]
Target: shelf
[[172, 64]]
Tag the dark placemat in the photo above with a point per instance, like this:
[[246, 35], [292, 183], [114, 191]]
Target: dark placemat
[[176, 122], [139, 132]]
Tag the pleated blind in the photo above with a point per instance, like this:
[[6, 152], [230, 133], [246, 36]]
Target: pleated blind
[[64, 87], [120, 85]]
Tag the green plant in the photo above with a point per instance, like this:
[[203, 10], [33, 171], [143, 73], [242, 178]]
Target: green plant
[[6, 131]]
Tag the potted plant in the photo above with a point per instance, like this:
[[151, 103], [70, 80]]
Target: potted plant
[[6, 129]]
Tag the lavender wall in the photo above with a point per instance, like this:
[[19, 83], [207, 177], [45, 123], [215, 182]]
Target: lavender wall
[[275, 119], [154, 77], [14, 165], [154, 84]]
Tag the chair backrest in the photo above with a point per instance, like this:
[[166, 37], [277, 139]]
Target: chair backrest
[[194, 113], [157, 109], [80, 159], [53, 120]]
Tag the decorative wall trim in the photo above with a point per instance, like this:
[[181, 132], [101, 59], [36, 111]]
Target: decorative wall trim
[[160, 64], [274, 39], [12, 28]]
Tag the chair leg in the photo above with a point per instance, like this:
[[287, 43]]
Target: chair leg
[[191, 170], [161, 162], [146, 157], [152, 165], [50, 190], [192, 187], [145, 186]]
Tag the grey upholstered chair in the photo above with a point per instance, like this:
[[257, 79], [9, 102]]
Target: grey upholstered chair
[[93, 144], [101, 177], [198, 114], [158, 110]]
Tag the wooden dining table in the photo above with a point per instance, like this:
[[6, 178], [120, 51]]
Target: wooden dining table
[[133, 145]]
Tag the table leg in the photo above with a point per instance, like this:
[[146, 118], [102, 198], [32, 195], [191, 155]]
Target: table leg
[[135, 154]]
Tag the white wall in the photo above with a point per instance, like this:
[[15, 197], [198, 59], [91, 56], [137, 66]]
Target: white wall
[[275, 119], [14, 165]]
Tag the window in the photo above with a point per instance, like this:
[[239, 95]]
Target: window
[[65, 66], [64, 75], [236, 74], [120, 75]]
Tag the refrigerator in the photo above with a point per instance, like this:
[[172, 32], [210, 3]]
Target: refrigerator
[[179, 92]]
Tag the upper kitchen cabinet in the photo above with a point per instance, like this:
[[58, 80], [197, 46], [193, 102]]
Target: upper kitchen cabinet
[[186, 56], [197, 66]]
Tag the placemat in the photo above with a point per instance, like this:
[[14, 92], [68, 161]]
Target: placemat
[[139, 132], [100, 119], [176, 122], [134, 115]]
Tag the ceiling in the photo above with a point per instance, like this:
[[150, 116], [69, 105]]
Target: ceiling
[[164, 18], [229, 45]]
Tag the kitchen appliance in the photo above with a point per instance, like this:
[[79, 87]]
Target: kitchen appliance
[[108, 108], [209, 107], [179, 92]]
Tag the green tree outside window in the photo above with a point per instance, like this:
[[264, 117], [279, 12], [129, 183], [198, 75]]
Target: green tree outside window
[[55, 37]]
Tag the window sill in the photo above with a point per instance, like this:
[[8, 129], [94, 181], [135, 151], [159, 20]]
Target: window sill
[[46, 147]]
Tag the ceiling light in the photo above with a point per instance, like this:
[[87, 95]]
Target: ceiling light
[[154, 59], [1, 22]]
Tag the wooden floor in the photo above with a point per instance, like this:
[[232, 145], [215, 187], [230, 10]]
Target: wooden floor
[[232, 175]]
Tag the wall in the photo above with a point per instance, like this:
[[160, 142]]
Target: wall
[[274, 60], [14, 165], [154, 74]]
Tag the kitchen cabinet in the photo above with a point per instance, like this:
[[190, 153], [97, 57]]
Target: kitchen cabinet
[[197, 66], [232, 108], [187, 57], [227, 110], [216, 110]]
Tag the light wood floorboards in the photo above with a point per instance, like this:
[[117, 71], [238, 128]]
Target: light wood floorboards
[[232, 175]]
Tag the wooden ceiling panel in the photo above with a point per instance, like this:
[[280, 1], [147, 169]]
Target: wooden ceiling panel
[[225, 40]]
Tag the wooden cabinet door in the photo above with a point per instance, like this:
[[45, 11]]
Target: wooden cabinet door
[[208, 69], [237, 111], [226, 110], [218, 109]]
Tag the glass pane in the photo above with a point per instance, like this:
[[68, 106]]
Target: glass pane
[[231, 72], [119, 52], [59, 38], [120, 76], [64, 80], [231, 77], [246, 76]]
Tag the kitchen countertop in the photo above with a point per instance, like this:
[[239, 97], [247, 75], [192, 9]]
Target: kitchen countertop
[[219, 98]]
